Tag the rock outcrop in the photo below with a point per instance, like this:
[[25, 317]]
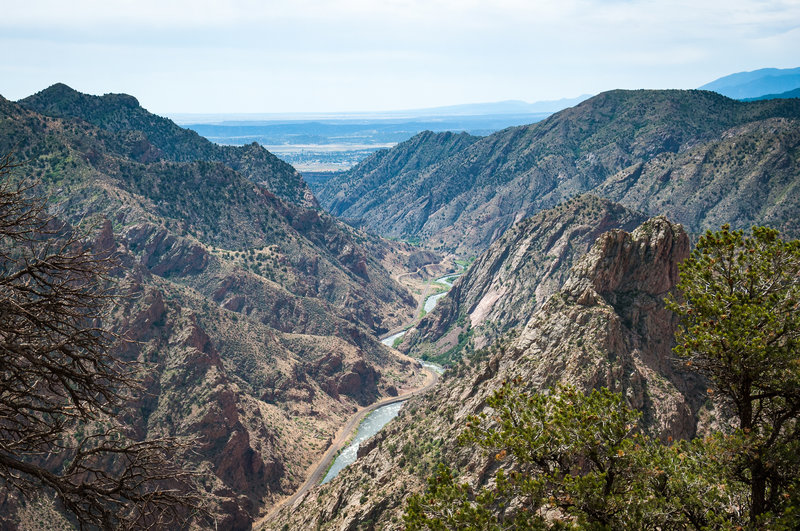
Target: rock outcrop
[[515, 276], [608, 327]]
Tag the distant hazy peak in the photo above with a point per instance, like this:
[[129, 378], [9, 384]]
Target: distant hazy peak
[[756, 83], [745, 77], [794, 93], [501, 107]]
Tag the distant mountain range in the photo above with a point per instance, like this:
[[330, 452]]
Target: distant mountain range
[[501, 107], [467, 109], [325, 141], [757, 84], [794, 93]]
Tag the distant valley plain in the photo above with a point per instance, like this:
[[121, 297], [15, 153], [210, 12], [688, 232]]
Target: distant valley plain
[[337, 144], [330, 142]]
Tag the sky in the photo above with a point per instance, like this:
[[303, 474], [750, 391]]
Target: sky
[[251, 56]]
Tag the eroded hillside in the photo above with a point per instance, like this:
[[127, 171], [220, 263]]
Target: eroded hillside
[[466, 198], [256, 317]]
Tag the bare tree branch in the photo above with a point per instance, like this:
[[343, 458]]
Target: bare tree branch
[[58, 379]]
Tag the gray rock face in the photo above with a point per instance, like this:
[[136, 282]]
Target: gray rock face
[[608, 327], [517, 274]]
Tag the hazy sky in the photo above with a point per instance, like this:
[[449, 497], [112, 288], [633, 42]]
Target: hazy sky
[[347, 55]]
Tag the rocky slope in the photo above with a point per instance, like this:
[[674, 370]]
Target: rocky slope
[[302, 250], [122, 113], [387, 167], [606, 327], [465, 200], [749, 176], [256, 317], [515, 277]]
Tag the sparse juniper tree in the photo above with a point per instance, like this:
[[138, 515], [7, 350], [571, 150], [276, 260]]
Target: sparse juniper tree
[[566, 458], [739, 300], [60, 388]]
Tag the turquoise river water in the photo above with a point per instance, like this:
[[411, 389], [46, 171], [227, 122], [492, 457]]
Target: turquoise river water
[[375, 421]]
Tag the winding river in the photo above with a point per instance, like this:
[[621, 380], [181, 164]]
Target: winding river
[[431, 301], [371, 425], [375, 421], [430, 304]]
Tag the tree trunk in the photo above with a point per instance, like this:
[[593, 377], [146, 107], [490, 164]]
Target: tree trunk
[[758, 489]]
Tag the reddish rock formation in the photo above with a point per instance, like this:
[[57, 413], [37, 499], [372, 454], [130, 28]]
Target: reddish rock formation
[[163, 253]]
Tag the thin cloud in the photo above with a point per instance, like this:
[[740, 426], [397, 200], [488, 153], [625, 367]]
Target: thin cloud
[[344, 55]]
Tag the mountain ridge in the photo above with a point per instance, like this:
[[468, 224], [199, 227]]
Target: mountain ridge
[[121, 112], [464, 201]]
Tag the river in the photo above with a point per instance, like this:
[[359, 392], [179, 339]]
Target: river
[[371, 425], [446, 279], [375, 421], [389, 341], [430, 303]]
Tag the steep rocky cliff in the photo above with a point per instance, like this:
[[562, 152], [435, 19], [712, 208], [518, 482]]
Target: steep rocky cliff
[[749, 176], [606, 327], [515, 276]]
